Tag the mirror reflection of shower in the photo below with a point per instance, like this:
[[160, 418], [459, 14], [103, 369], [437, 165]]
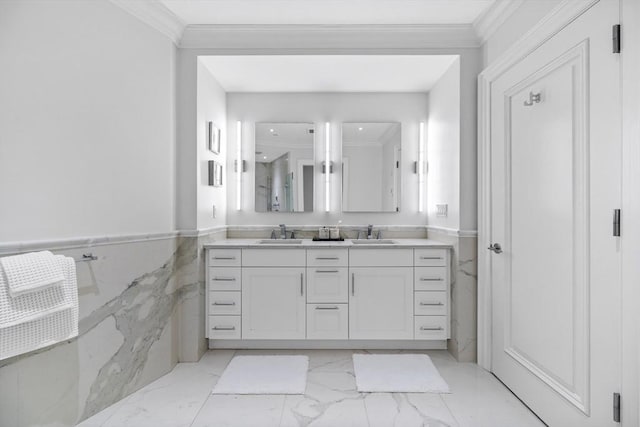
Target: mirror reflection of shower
[[284, 167]]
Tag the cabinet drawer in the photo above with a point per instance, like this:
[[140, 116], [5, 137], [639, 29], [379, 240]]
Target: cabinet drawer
[[273, 257], [224, 302], [328, 321], [431, 257], [328, 257], [225, 279], [224, 257], [224, 327], [328, 284], [430, 304], [374, 257], [431, 327], [431, 278]]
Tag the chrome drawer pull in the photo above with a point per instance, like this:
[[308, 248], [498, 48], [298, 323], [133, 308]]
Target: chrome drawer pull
[[327, 271], [353, 284], [224, 328], [334, 258], [224, 257], [301, 284], [335, 307], [431, 303], [224, 303], [422, 328], [224, 279], [430, 257], [428, 279]]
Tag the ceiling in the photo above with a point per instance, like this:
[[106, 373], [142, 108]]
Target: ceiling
[[328, 73], [370, 133], [343, 12]]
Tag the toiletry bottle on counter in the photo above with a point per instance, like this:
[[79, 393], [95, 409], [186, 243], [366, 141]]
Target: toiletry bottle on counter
[[276, 205], [323, 233], [335, 232]]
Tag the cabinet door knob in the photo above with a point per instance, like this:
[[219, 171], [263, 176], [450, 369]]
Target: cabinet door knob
[[353, 283], [301, 284]]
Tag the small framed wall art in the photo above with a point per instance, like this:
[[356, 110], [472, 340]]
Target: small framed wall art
[[213, 138], [215, 173]]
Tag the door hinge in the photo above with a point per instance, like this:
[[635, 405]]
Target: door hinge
[[616, 407], [616, 38], [616, 222]]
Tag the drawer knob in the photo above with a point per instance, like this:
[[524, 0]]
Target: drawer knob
[[224, 328], [224, 279], [335, 307], [224, 257], [424, 328], [430, 257], [431, 303], [224, 303], [334, 258], [431, 279], [326, 271]]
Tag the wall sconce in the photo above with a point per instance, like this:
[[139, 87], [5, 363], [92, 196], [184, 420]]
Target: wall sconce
[[240, 165], [421, 168], [327, 161]]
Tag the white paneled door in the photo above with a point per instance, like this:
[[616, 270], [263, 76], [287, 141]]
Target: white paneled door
[[555, 182]]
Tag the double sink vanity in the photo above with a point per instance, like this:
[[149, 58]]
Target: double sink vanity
[[299, 289]]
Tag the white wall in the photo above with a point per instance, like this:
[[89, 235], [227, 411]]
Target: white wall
[[212, 106], [407, 108], [521, 21], [86, 122], [443, 149]]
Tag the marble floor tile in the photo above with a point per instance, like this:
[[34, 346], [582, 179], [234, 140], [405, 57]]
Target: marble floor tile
[[183, 398], [245, 411], [172, 401], [407, 409]]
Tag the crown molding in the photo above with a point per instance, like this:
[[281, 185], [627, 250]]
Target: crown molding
[[328, 37], [491, 19], [156, 15]]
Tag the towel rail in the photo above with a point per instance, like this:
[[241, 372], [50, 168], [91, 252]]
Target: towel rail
[[87, 257]]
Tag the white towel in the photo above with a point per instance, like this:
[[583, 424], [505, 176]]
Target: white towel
[[40, 318], [31, 272]]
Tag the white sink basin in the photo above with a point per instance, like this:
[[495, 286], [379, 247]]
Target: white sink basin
[[373, 242], [280, 242]]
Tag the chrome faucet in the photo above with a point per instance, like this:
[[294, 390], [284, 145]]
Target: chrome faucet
[[370, 231], [283, 231]]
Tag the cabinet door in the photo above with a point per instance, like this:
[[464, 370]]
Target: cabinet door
[[381, 303], [273, 303]]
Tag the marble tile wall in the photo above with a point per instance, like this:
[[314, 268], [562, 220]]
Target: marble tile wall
[[141, 311], [464, 294]]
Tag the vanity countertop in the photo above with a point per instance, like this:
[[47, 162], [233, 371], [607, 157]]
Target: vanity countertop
[[308, 243]]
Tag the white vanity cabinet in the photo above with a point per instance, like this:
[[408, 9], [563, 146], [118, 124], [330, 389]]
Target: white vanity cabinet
[[328, 293], [273, 294], [381, 294]]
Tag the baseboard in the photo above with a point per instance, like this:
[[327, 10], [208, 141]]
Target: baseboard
[[329, 344]]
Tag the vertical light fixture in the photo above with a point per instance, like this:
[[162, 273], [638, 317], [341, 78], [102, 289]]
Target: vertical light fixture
[[239, 165], [327, 167], [421, 169]]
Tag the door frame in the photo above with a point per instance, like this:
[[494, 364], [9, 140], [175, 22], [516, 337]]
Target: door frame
[[561, 16]]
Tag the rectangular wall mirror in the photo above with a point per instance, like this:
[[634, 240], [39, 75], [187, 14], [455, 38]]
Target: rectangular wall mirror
[[284, 169], [371, 167]]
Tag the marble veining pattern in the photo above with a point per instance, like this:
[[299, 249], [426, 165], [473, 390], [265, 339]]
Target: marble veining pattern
[[183, 399], [134, 302]]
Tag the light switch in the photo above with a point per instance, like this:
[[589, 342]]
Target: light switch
[[442, 210]]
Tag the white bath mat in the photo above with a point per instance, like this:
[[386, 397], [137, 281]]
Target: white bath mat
[[397, 373], [264, 375]]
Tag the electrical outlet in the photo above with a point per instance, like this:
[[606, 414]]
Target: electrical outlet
[[213, 212], [442, 210]]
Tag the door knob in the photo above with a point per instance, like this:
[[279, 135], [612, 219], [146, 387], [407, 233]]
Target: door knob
[[495, 247]]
